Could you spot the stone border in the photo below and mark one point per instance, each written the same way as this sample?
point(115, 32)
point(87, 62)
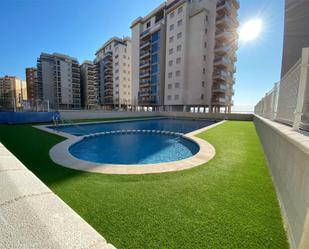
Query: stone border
point(32, 216)
point(60, 154)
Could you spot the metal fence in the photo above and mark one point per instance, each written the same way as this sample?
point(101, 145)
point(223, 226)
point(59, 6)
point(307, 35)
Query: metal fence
point(288, 101)
point(19, 105)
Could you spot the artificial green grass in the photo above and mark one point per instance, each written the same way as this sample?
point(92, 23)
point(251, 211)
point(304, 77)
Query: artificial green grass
point(227, 203)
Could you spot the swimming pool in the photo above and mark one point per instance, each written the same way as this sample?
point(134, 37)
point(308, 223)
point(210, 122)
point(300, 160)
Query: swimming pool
point(137, 148)
point(165, 124)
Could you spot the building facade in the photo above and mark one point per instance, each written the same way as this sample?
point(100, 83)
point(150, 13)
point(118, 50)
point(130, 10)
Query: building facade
point(183, 55)
point(59, 76)
point(13, 91)
point(296, 32)
point(114, 75)
point(89, 85)
point(34, 89)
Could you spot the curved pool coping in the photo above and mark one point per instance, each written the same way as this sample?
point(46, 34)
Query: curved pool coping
point(60, 154)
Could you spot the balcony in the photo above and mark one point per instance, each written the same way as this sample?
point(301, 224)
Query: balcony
point(219, 88)
point(145, 54)
point(144, 94)
point(223, 49)
point(220, 75)
point(144, 64)
point(108, 83)
point(222, 61)
point(225, 21)
point(235, 3)
point(144, 74)
point(225, 35)
point(145, 33)
point(219, 101)
point(145, 44)
point(144, 83)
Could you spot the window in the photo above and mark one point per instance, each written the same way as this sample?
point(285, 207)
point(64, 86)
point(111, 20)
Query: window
point(204, 70)
point(116, 56)
point(202, 96)
point(171, 39)
point(171, 27)
point(180, 9)
point(178, 48)
point(170, 63)
point(176, 97)
point(205, 45)
point(171, 51)
point(179, 35)
point(169, 97)
point(178, 60)
point(179, 23)
point(172, 14)
point(178, 73)
point(206, 31)
point(204, 57)
point(170, 75)
point(169, 86)
point(206, 18)
point(117, 71)
point(117, 78)
point(124, 56)
point(203, 83)
point(148, 25)
point(177, 85)
point(116, 64)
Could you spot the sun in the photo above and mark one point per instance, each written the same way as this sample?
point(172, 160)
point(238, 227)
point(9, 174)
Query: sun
point(251, 30)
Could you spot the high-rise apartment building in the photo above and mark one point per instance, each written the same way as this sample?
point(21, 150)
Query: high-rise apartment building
point(183, 55)
point(13, 91)
point(296, 32)
point(89, 85)
point(34, 89)
point(59, 76)
point(113, 65)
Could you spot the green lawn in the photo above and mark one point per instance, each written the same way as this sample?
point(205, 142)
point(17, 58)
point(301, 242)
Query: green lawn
point(227, 203)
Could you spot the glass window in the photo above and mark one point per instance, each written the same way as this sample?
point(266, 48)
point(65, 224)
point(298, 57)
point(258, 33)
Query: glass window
point(154, 58)
point(170, 63)
point(203, 83)
point(178, 73)
point(171, 27)
point(170, 75)
point(172, 14)
point(177, 85)
point(202, 96)
point(155, 47)
point(178, 60)
point(204, 70)
point(148, 25)
point(180, 9)
point(154, 68)
point(154, 79)
point(169, 97)
point(178, 48)
point(169, 86)
point(176, 97)
point(179, 23)
point(171, 51)
point(155, 36)
point(171, 39)
point(179, 35)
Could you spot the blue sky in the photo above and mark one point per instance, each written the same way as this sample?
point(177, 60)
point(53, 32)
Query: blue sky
point(79, 27)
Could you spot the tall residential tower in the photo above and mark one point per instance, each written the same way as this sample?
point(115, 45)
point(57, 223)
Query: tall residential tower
point(183, 55)
point(59, 76)
point(113, 65)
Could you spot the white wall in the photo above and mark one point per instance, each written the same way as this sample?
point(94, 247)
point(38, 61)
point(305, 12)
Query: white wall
point(287, 153)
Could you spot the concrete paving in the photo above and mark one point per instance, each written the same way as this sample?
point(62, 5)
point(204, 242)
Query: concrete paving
point(32, 216)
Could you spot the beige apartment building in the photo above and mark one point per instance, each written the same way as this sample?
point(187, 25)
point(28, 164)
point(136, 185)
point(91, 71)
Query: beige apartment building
point(183, 55)
point(13, 91)
point(34, 89)
point(59, 76)
point(114, 74)
point(89, 85)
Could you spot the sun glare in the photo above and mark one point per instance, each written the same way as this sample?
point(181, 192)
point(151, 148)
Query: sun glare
point(251, 30)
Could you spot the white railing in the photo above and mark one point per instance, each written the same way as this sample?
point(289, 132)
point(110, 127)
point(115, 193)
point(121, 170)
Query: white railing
point(288, 101)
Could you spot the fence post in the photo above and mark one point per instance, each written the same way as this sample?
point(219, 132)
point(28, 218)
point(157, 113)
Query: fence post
point(303, 82)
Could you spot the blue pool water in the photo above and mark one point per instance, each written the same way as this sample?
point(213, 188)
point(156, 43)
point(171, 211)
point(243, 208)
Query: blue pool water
point(165, 124)
point(134, 149)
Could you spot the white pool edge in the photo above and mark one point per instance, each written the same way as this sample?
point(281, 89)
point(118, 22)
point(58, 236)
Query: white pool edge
point(60, 155)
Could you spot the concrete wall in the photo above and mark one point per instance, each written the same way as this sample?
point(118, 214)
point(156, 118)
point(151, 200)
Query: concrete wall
point(287, 153)
point(215, 116)
point(83, 114)
point(32, 216)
